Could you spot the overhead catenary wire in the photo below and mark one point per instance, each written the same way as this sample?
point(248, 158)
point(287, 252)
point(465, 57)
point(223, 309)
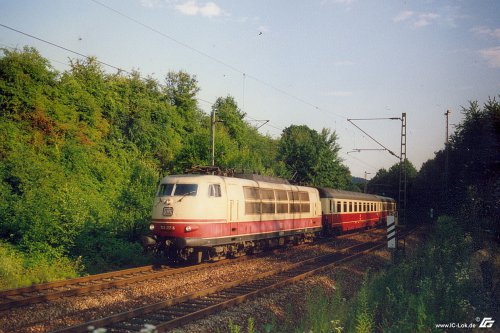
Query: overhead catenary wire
point(100, 62)
point(63, 48)
point(119, 69)
point(221, 62)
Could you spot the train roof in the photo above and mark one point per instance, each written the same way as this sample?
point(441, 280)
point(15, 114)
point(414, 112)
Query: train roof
point(340, 194)
point(258, 180)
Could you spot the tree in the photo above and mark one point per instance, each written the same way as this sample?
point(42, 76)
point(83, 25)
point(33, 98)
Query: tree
point(312, 158)
point(386, 182)
point(180, 91)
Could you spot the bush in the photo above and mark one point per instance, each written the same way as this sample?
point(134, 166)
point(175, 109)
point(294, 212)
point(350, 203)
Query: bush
point(102, 250)
point(18, 269)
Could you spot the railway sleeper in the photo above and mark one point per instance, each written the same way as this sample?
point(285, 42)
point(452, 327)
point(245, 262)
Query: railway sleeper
point(245, 289)
point(192, 306)
point(127, 326)
point(154, 318)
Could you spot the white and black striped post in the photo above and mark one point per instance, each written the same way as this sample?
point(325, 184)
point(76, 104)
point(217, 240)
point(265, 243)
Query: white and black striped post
point(391, 236)
point(391, 232)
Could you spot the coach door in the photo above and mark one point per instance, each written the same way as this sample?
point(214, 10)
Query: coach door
point(232, 207)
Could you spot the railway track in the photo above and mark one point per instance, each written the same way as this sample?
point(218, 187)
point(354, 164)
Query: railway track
point(71, 287)
point(83, 285)
point(182, 310)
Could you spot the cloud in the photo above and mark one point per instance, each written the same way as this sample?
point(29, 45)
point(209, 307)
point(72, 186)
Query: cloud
point(425, 19)
point(403, 16)
point(484, 31)
point(192, 8)
point(152, 3)
point(492, 55)
point(417, 20)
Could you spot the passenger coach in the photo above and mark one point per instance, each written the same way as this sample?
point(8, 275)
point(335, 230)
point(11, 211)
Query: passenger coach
point(344, 210)
point(206, 217)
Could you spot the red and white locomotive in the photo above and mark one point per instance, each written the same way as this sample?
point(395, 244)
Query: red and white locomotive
point(208, 217)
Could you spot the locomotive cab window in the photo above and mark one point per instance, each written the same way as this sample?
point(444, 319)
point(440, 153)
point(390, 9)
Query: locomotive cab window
point(214, 190)
point(185, 189)
point(165, 190)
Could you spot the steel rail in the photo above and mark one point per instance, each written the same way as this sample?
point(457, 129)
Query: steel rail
point(71, 287)
point(78, 286)
point(182, 310)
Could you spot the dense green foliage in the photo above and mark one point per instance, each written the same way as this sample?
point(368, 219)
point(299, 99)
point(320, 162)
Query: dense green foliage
point(312, 158)
point(81, 153)
point(461, 179)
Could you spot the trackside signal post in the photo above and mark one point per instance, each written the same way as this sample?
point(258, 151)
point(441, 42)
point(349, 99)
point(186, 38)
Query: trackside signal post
point(391, 232)
point(402, 162)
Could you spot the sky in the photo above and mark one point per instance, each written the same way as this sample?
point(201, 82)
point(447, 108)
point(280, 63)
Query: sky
point(315, 63)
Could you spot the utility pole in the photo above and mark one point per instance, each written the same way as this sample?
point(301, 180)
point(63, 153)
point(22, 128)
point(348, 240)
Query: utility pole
point(212, 135)
point(402, 173)
point(446, 160)
point(447, 114)
point(366, 182)
point(401, 157)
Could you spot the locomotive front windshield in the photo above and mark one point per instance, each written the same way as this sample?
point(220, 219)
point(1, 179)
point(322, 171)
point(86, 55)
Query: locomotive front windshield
point(168, 190)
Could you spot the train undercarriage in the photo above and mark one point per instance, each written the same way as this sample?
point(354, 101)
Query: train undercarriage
point(173, 253)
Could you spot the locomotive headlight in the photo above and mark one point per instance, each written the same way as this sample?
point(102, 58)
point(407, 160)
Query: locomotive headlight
point(191, 228)
point(151, 227)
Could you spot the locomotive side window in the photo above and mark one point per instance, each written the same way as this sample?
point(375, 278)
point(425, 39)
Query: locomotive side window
point(281, 195)
point(267, 196)
point(293, 196)
point(268, 208)
point(214, 190)
point(252, 200)
point(186, 189)
point(165, 190)
point(282, 201)
point(252, 208)
point(282, 208)
point(251, 193)
point(294, 208)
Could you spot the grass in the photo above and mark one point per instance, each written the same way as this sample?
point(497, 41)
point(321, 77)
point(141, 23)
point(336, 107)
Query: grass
point(437, 284)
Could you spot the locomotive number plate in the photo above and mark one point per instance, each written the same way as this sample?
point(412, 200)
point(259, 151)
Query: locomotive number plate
point(168, 211)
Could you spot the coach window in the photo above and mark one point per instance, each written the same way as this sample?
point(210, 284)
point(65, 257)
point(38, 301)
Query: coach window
point(350, 206)
point(214, 190)
point(339, 207)
point(345, 207)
